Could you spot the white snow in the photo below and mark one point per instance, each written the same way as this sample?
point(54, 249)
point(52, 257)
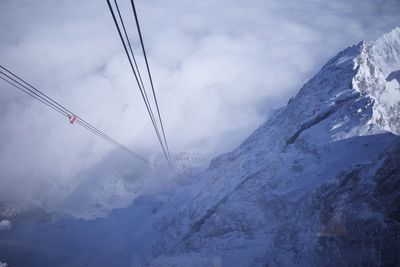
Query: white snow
point(377, 61)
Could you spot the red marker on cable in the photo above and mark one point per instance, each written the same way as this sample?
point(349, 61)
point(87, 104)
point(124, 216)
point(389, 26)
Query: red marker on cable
point(72, 118)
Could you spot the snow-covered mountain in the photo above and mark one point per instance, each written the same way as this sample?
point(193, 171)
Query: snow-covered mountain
point(318, 184)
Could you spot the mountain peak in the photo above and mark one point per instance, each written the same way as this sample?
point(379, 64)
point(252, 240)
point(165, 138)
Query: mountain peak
point(388, 46)
point(356, 93)
point(378, 77)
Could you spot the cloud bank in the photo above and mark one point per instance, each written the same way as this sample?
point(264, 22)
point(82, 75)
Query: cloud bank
point(220, 66)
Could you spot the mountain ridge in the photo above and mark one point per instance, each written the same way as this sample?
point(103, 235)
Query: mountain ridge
point(329, 116)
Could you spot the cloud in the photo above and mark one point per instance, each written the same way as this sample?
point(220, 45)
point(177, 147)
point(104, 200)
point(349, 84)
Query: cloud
point(5, 225)
point(219, 67)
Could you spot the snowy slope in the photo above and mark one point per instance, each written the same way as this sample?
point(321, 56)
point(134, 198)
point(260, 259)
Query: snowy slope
point(318, 184)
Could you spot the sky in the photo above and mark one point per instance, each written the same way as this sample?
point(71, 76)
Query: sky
point(220, 68)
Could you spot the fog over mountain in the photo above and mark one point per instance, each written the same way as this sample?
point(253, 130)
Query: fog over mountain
point(316, 184)
point(220, 69)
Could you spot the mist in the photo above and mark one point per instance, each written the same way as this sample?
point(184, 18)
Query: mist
point(220, 68)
